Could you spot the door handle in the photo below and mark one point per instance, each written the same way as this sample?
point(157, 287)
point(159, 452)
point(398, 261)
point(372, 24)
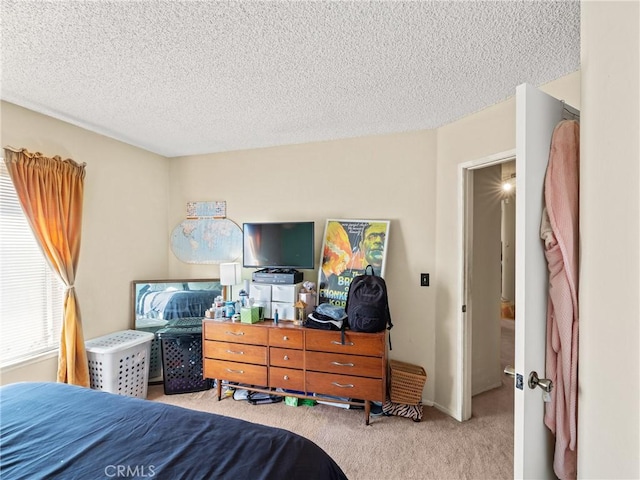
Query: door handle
point(510, 370)
point(544, 383)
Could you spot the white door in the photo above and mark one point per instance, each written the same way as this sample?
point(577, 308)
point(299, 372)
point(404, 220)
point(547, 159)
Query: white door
point(537, 114)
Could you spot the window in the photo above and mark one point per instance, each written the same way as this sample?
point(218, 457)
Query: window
point(31, 294)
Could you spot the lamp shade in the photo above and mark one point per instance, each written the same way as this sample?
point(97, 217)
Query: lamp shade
point(230, 274)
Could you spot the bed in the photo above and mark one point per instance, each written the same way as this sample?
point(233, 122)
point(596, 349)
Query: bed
point(55, 430)
point(168, 300)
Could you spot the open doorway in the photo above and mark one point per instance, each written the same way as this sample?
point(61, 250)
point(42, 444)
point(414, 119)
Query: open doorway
point(489, 282)
point(492, 278)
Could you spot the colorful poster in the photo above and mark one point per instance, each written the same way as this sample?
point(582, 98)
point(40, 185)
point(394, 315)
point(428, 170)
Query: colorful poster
point(348, 246)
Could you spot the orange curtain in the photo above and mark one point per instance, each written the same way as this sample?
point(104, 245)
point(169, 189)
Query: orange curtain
point(51, 192)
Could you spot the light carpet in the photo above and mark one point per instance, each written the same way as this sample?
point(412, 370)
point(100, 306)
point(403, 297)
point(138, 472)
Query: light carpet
point(438, 447)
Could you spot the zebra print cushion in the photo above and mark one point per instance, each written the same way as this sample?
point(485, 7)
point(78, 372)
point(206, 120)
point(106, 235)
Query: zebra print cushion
point(400, 409)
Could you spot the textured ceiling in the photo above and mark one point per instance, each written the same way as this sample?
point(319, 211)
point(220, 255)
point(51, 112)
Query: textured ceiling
point(190, 77)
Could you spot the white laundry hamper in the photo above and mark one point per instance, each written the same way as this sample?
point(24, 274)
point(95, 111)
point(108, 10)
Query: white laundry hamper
point(119, 362)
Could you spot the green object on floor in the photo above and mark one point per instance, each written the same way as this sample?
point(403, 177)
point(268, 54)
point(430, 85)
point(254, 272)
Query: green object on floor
point(298, 402)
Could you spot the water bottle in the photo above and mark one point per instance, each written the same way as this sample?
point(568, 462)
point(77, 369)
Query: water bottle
point(229, 309)
point(244, 298)
point(244, 294)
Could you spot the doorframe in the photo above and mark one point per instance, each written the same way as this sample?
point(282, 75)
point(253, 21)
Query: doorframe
point(465, 257)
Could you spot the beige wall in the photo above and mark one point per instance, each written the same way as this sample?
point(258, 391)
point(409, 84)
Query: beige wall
point(609, 371)
point(124, 221)
point(383, 177)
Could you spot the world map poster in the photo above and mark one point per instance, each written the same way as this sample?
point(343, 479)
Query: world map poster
point(207, 241)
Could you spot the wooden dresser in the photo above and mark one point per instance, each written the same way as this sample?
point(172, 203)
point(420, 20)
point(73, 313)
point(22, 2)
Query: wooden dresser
point(269, 356)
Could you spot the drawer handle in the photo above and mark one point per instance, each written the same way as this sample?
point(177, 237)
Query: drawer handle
point(285, 338)
point(286, 357)
point(234, 371)
point(348, 385)
point(340, 343)
point(237, 334)
point(286, 377)
point(235, 353)
point(343, 364)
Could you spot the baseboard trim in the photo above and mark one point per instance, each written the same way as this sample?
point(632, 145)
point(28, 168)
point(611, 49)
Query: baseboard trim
point(446, 410)
point(486, 389)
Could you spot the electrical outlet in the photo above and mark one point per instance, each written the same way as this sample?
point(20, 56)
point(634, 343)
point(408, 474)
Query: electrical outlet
point(424, 279)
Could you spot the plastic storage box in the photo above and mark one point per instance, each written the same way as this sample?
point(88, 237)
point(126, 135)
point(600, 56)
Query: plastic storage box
point(182, 359)
point(119, 362)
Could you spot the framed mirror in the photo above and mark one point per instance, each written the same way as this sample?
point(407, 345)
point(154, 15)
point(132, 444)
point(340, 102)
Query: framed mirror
point(162, 303)
point(156, 304)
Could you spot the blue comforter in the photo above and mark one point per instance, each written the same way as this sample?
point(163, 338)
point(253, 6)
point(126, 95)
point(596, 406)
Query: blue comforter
point(54, 430)
point(170, 304)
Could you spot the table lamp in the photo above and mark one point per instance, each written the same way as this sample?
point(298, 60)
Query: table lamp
point(230, 275)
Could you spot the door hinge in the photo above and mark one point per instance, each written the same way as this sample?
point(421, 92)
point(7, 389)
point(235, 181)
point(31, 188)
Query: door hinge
point(464, 309)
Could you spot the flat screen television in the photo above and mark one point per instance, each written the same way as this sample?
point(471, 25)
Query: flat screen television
point(278, 245)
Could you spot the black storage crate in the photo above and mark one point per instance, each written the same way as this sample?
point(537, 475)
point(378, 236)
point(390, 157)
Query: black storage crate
point(182, 360)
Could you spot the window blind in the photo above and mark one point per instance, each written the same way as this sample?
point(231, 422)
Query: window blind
point(31, 295)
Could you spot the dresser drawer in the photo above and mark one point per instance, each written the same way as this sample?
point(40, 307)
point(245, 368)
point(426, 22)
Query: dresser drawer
point(284, 357)
point(235, 352)
point(345, 364)
point(235, 332)
point(260, 292)
point(235, 372)
point(346, 386)
point(371, 344)
point(285, 337)
point(286, 311)
point(286, 378)
point(285, 293)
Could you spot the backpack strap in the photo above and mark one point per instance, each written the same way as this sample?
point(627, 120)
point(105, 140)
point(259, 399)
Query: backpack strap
point(390, 326)
point(366, 270)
